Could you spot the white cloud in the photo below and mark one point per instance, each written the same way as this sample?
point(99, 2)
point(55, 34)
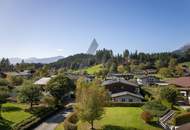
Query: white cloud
point(59, 50)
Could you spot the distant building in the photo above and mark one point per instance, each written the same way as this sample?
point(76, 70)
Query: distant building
point(123, 91)
point(127, 76)
point(43, 81)
point(93, 47)
point(24, 74)
point(147, 80)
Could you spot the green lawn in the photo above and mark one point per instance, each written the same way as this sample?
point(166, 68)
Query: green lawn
point(13, 113)
point(119, 118)
point(93, 69)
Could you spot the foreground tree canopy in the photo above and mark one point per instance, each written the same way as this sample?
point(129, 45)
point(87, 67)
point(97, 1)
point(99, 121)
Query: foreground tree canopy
point(91, 98)
point(29, 93)
point(59, 87)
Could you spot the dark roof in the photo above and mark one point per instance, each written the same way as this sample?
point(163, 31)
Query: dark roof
point(181, 82)
point(108, 82)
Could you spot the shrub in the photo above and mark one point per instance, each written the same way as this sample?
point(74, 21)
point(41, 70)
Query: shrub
point(182, 118)
point(156, 108)
point(146, 116)
point(15, 80)
point(169, 94)
point(70, 122)
point(3, 82)
point(49, 101)
point(124, 104)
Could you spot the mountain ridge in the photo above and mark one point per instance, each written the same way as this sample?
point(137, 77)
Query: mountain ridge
point(15, 60)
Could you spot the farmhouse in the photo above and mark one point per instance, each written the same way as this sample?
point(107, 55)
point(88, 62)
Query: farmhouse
point(183, 85)
point(147, 80)
point(123, 91)
point(127, 76)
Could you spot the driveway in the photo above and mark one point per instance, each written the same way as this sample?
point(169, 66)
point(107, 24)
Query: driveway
point(51, 123)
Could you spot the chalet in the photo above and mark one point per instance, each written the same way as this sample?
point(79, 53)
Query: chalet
point(123, 91)
point(127, 76)
point(147, 80)
point(183, 85)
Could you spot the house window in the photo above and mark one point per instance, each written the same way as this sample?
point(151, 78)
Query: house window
point(130, 100)
point(123, 99)
point(183, 93)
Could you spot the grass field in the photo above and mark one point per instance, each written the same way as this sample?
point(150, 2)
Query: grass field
point(93, 69)
point(13, 113)
point(119, 118)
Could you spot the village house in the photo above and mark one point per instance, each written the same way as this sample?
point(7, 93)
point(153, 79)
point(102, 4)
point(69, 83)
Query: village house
point(183, 85)
point(127, 76)
point(123, 91)
point(24, 74)
point(147, 80)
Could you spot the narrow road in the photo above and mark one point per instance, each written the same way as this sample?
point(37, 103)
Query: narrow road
point(51, 123)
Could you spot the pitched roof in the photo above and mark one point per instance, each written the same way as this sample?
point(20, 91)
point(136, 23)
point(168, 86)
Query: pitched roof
point(126, 93)
point(181, 82)
point(108, 82)
point(43, 81)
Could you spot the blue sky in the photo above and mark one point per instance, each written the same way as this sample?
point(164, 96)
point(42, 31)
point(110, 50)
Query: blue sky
point(44, 28)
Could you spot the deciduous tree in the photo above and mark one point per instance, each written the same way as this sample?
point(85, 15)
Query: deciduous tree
point(91, 98)
point(29, 93)
point(59, 87)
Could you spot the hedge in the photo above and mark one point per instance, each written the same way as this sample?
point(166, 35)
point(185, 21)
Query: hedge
point(70, 122)
point(182, 119)
point(125, 104)
point(34, 120)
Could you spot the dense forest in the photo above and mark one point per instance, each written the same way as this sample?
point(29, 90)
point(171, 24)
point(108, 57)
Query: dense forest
point(129, 61)
point(154, 60)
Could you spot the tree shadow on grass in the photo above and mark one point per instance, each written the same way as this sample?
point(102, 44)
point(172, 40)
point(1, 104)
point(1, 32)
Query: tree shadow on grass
point(154, 123)
point(10, 108)
point(5, 124)
point(112, 127)
point(35, 110)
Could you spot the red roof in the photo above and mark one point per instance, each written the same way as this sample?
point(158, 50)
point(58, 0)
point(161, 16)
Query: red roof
point(181, 82)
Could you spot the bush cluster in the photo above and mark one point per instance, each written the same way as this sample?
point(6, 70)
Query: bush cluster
point(70, 122)
point(156, 108)
point(182, 118)
point(124, 104)
point(147, 116)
